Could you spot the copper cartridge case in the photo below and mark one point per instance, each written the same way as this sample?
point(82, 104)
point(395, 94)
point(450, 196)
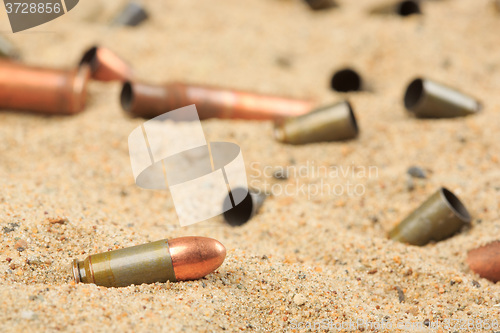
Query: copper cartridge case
point(331, 123)
point(429, 99)
point(48, 91)
point(106, 65)
point(485, 261)
point(438, 218)
point(179, 259)
point(143, 100)
point(246, 209)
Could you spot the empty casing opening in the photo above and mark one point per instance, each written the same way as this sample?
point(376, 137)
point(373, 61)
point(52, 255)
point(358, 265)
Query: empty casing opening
point(346, 80)
point(406, 8)
point(90, 57)
point(414, 94)
point(127, 96)
point(242, 212)
point(353, 118)
point(456, 205)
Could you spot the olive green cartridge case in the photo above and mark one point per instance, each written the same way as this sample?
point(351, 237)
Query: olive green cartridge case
point(179, 259)
point(429, 99)
point(7, 50)
point(438, 218)
point(401, 8)
point(332, 123)
point(246, 209)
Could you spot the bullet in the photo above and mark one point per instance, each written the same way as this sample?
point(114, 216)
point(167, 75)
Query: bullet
point(331, 123)
point(106, 65)
point(345, 80)
point(401, 8)
point(485, 261)
point(144, 100)
point(438, 218)
point(178, 259)
point(47, 91)
point(320, 4)
point(246, 209)
point(429, 99)
point(7, 50)
point(132, 15)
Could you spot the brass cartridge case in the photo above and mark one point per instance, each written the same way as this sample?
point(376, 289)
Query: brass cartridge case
point(47, 91)
point(485, 261)
point(331, 123)
point(438, 218)
point(246, 209)
point(179, 259)
point(429, 99)
point(106, 65)
point(132, 15)
point(144, 100)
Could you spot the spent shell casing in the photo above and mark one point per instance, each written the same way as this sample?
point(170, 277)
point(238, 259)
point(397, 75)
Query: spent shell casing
point(42, 90)
point(105, 65)
point(331, 123)
point(132, 15)
point(320, 4)
point(178, 259)
point(485, 261)
point(246, 209)
point(401, 8)
point(145, 100)
point(428, 99)
point(438, 218)
point(7, 50)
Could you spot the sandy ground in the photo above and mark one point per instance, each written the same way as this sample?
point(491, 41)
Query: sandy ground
point(307, 256)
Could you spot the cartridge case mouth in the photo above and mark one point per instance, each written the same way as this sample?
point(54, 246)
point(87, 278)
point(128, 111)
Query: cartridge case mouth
point(455, 205)
point(242, 212)
point(346, 80)
point(90, 58)
point(414, 94)
point(409, 7)
point(127, 97)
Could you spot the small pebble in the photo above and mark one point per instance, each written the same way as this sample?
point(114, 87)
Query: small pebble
point(280, 174)
point(401, 294)
point(299, 299)
point(21, 245)
point(416, 172)
point(28, 315)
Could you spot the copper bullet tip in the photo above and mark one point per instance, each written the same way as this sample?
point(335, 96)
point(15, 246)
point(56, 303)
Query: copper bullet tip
point(106, 65)
point(195, 257)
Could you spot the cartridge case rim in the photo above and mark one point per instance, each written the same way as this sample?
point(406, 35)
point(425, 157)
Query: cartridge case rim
point(455, 205)
point(76, 271)
point(127, 97)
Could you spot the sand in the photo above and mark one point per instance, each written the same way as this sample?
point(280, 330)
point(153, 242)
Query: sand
point(67, 188)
